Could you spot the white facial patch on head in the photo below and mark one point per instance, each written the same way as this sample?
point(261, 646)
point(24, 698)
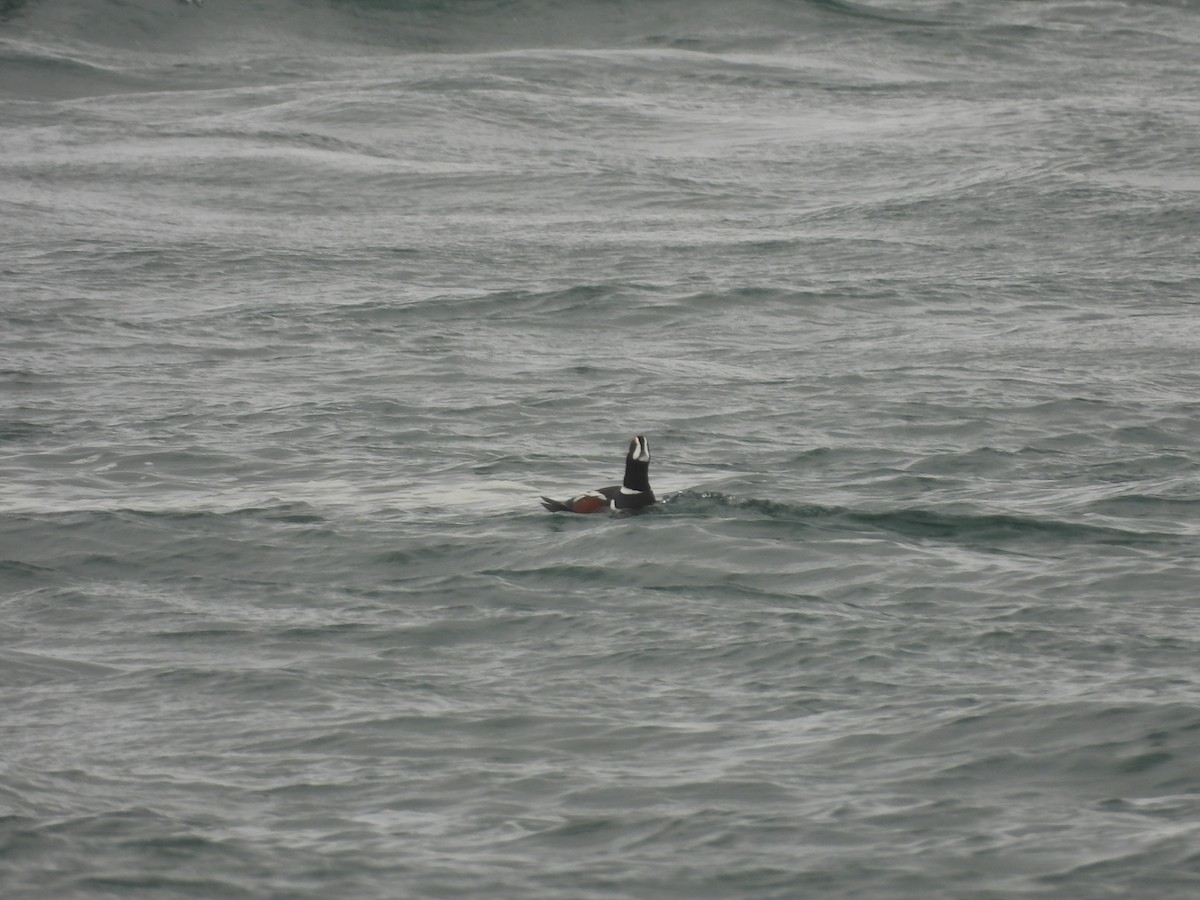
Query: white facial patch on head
point(639, 449)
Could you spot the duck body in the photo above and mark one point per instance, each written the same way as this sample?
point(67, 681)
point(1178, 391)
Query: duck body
point(633, 493)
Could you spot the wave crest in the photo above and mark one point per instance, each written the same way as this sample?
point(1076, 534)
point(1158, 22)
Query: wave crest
point(454, 25)
point(910, 523)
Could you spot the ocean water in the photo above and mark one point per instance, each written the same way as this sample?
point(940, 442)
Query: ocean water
point(303, 304)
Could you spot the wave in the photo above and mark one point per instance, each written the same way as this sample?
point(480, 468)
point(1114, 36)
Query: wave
point(440, 25)
point(33, 71)
point(74, 48)
point(68, 49)
point(272, 27)
point(914, 523)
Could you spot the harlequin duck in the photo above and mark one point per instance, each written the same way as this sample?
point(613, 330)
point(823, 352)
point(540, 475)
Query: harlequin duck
point(633, 493)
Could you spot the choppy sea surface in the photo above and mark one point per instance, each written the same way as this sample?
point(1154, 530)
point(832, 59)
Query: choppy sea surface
point(303, 304)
